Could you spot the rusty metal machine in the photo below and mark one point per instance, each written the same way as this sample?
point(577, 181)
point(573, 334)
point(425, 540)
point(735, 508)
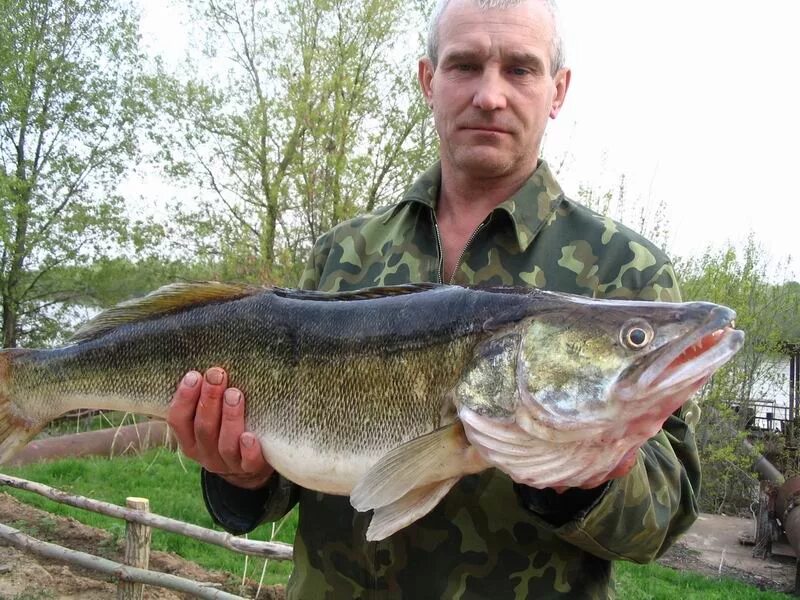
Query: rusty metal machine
point(778, 515)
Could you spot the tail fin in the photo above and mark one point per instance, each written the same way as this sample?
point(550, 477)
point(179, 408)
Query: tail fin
point(16, 429)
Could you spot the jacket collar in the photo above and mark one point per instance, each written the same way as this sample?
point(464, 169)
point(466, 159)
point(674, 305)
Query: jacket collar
point(530, 208)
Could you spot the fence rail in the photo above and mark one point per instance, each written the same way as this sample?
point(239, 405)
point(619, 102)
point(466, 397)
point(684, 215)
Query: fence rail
point(764, 415)
point(127, 573)
point(274, 550)
point(117, 570)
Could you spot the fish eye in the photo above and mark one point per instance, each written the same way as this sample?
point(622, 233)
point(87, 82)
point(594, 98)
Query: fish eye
point(636, 335)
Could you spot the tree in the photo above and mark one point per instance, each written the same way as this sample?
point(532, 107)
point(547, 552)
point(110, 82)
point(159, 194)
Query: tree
point(646, 218)
point(737, 278)
point(68, 110)
point(789, 316)
point(313, 118)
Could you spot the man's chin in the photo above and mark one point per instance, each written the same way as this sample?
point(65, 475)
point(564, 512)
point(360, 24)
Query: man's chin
point(484, 165)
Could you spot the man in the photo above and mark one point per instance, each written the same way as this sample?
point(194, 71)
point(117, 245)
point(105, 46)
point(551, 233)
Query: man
point(490, 213)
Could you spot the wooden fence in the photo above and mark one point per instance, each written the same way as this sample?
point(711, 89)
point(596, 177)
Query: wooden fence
point(131, 577)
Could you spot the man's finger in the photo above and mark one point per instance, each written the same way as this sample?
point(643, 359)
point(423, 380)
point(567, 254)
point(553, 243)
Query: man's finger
point(209, 411)
point(624, 466)
point(180, 415)
point(253, 461)
point(231, 428)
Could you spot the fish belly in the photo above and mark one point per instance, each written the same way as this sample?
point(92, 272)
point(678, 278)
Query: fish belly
point(316, 468)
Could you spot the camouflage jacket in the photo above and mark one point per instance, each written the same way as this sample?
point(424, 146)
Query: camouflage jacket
point(489, 538)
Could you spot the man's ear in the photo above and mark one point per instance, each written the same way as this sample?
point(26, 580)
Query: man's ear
point(561, 80)
point(425, 76)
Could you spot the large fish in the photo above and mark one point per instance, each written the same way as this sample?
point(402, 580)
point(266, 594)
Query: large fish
point(392, 394)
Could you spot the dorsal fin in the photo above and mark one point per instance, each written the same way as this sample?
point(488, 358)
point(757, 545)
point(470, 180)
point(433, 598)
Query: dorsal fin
point(363, 294)
point(167, 299)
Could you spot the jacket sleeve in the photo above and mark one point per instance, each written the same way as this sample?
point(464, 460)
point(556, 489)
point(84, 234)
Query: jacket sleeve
point(239, 510)
point(312, 273)
point(638, 516)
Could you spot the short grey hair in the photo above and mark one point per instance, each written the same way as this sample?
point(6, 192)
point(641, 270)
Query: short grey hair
point(557, 58)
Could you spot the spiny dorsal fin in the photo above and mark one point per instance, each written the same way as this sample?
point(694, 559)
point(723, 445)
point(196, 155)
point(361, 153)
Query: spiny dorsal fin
point(363, 294)
point(167, 299)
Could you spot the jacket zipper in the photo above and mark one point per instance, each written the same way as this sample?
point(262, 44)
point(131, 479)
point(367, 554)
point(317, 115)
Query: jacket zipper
point(440, 268)
point(440, 274)
point(464, 249)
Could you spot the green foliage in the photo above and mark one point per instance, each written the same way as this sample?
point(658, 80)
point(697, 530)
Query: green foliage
point(81, 290)
point(69, 106)
point(108, 281)
point(787, 316)
point(304, 114)
point(729, 483)
point(738, 278)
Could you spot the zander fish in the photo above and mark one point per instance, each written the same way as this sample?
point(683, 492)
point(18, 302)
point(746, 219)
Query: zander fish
point(392, 394)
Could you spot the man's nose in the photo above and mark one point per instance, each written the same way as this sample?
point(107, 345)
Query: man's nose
point(491, 94)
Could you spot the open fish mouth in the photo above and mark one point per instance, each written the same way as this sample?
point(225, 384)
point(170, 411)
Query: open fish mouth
point(686, 362)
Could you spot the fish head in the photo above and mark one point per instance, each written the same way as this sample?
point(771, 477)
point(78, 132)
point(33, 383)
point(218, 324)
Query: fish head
point(592, 381)
point(587, 367)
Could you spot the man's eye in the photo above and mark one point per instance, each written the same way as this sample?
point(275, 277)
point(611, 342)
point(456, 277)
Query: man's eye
point(465, 67)
point(519, 71)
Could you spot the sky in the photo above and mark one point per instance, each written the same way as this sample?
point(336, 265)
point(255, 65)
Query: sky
point(695, 102)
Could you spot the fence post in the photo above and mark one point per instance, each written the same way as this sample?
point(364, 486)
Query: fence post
point(137, 550)
point(762, 545)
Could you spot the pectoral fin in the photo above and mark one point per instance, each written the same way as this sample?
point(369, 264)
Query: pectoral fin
point(441, 454)
point(414, 505)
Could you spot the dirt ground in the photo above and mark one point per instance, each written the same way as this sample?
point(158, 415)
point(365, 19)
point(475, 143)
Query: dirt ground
point(24, 576)
point(711, 547)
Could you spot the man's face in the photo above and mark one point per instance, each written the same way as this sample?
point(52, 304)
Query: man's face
point(492, 91)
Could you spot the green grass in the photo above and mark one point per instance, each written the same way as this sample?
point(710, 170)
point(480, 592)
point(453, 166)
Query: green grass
point(93, 421)
point(173, 489)
point(654, 582)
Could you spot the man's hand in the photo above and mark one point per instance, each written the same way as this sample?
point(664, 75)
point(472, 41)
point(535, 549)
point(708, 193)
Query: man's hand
point(624, 466)
point(208, 420)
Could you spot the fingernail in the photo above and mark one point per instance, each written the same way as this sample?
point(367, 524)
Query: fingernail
point(214, 376)
point(232, 397)
point(247, 440)
point(190, 379)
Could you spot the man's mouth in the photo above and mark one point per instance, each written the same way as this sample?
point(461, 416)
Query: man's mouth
point(485, 129)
